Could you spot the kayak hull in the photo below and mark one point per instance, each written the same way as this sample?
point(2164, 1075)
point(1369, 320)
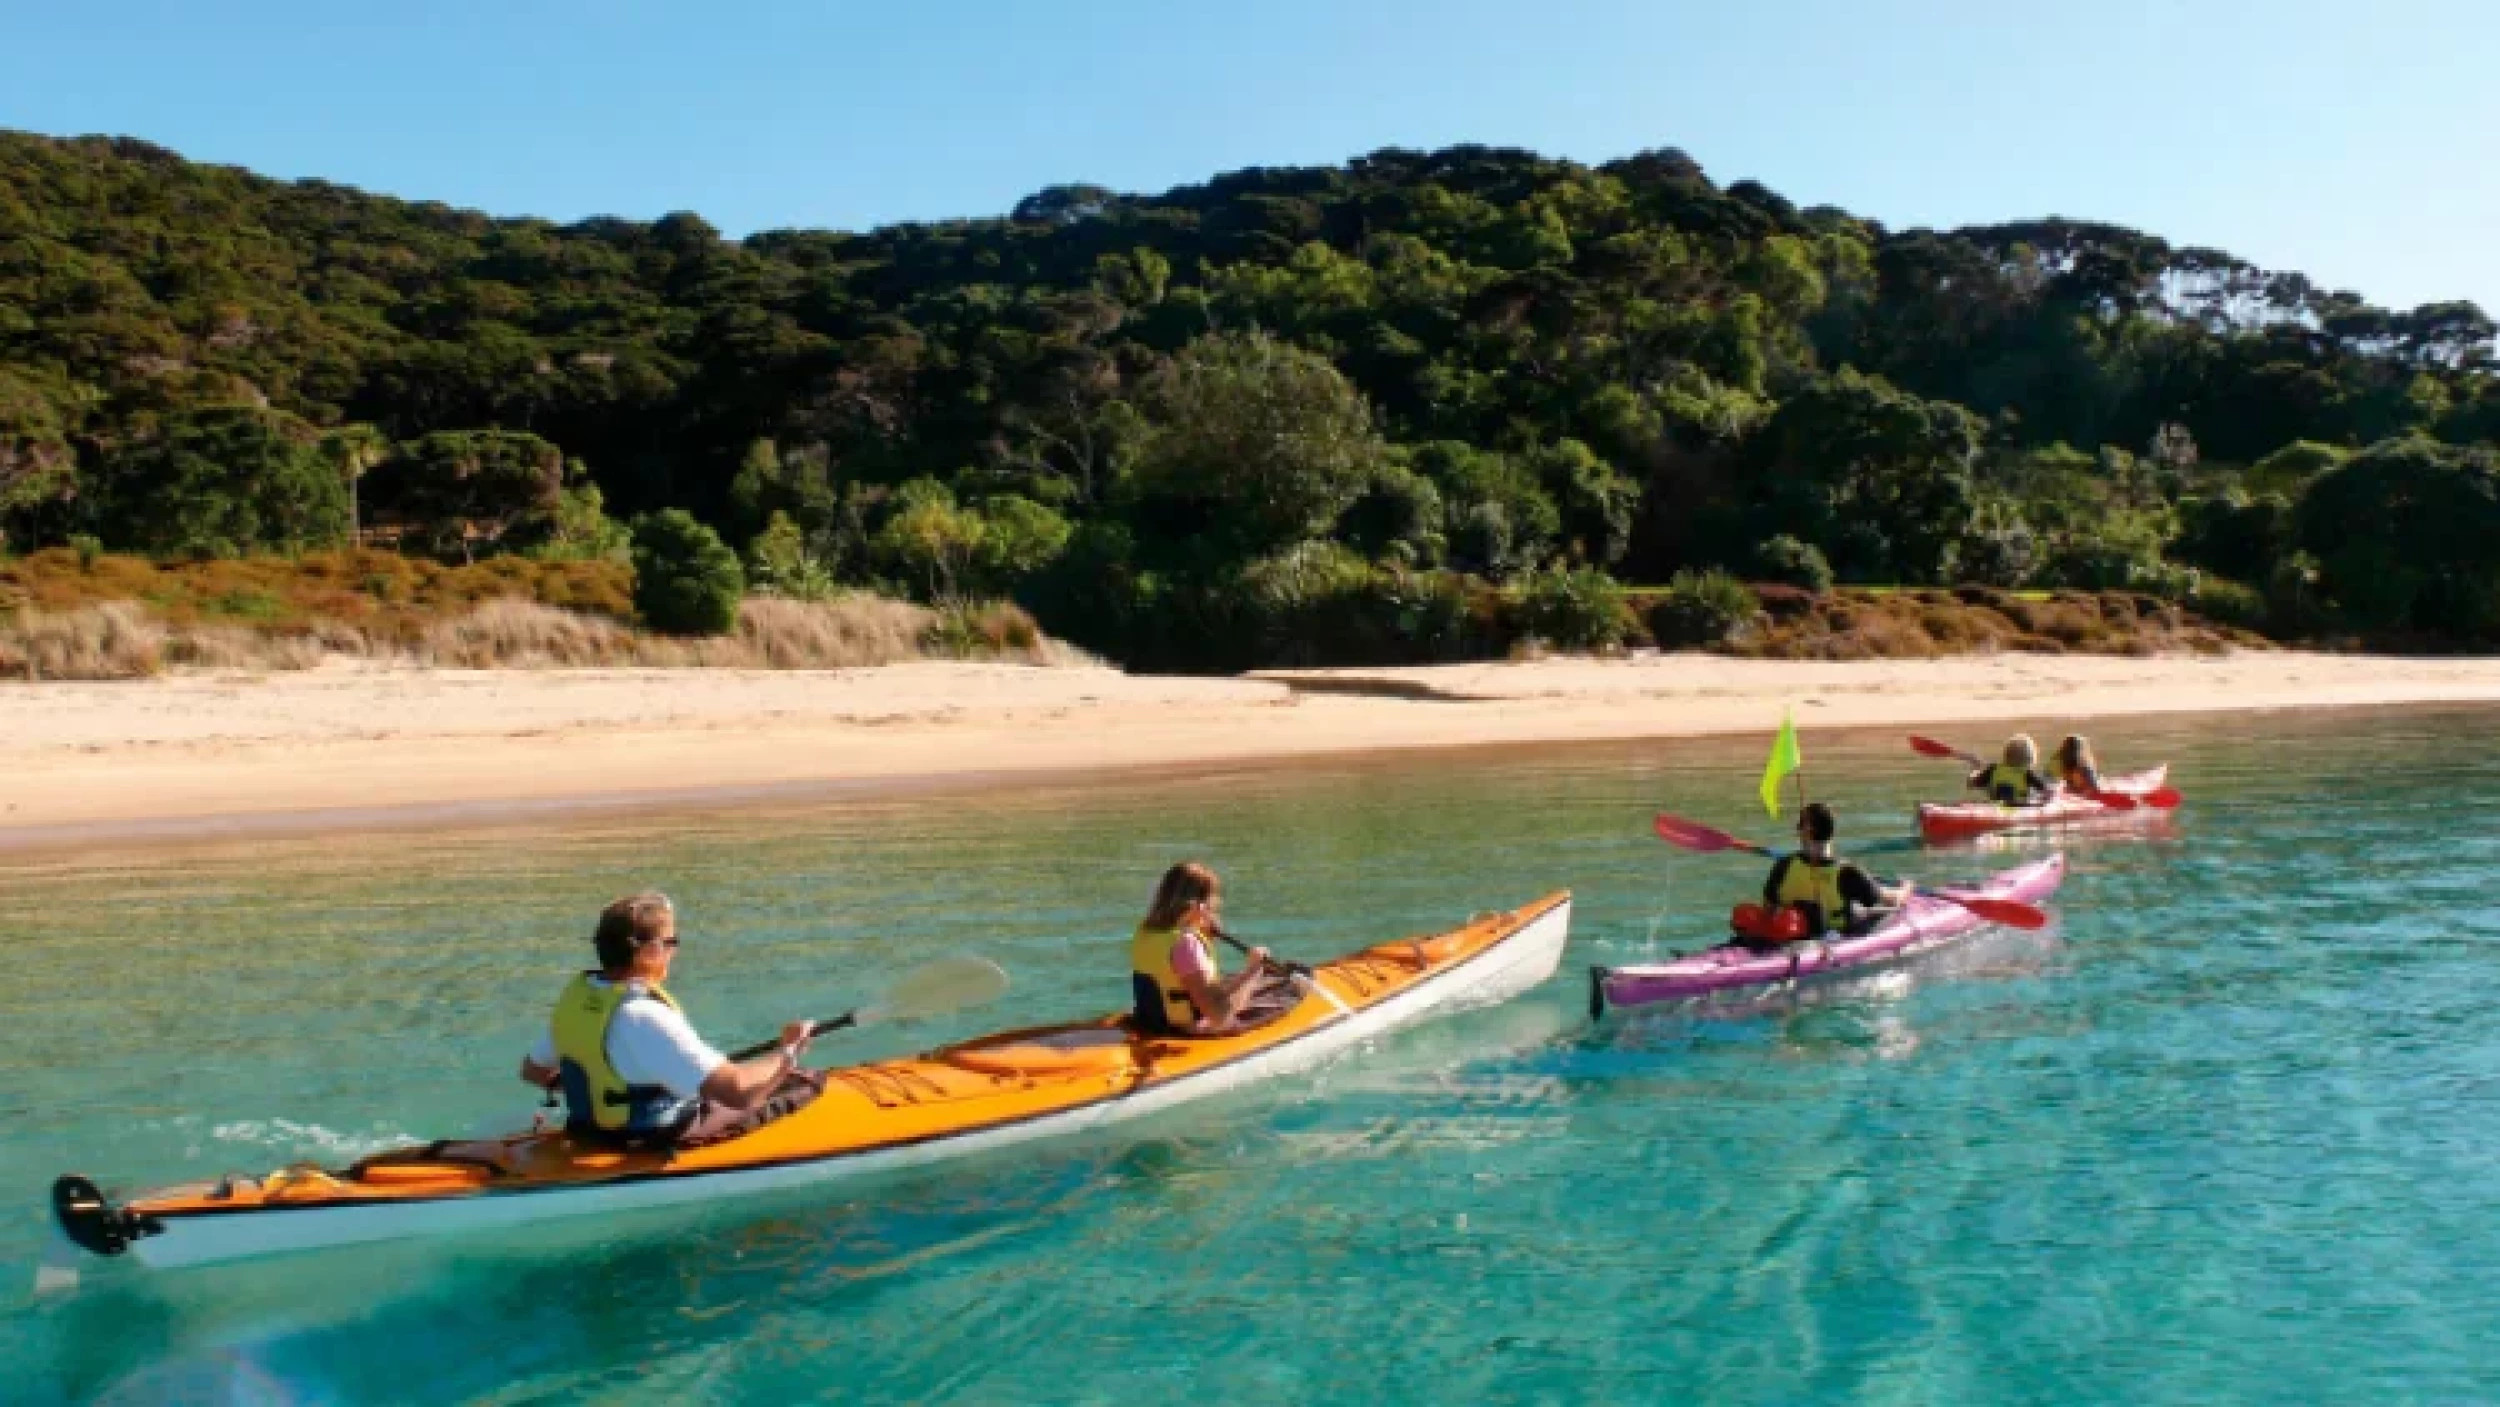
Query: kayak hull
point(1921, 925)
point(874, 1120)
point(1961, 819)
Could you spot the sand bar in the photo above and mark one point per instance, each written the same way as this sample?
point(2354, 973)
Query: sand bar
point(350, 743)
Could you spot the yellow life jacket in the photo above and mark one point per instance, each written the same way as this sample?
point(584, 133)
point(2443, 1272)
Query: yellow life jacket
point(1813, 890)
point(1162, 1003)
point(595, 1096)
point(2009, 784)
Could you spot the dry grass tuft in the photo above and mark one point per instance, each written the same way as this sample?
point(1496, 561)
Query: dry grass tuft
point(848, 633)
point(853, 632)
point(116, 641)
point(511, 634)
point(1857, 624)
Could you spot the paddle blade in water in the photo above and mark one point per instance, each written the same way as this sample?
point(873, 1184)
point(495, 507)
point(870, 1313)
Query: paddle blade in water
point(2013, 913)
point(2116, 800)
point(2162, 798)
point(933, 989)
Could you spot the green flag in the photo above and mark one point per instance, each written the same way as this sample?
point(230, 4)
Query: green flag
point(1785, 758)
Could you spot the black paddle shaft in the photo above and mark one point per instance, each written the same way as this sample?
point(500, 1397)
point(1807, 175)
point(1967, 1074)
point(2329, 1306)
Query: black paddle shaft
point(847, 1018)
point(1298, 969)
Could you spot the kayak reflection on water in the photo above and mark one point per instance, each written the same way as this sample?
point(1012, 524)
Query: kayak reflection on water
point(1811, 893)
point(629, 1065)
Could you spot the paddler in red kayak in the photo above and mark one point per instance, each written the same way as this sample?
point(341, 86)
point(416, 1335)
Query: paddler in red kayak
point(1178, 987)
point(1814, 892)
point(630, 1067)
point(2016, 781)
point(2076, 767)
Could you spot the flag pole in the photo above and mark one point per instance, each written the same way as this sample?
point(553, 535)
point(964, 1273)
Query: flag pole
point(1800, 773)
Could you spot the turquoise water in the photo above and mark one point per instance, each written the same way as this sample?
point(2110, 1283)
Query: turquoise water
point(2225, 1132)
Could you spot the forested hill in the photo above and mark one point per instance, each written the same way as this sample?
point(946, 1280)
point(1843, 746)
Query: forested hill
point(1133, 409)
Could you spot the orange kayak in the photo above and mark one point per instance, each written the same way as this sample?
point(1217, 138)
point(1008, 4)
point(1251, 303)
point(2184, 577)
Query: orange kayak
point(881, 1117)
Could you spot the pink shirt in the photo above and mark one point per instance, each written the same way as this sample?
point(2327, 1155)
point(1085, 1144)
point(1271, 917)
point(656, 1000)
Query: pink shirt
point(1190, 957)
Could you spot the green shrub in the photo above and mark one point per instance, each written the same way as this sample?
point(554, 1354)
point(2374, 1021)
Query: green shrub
point(686, 580)
point(2293, 603)
point(2228, 602)
point(1581, 609)
point(1701, 608)
point(1792, 561)
point(778, 561)
point(1427, 613)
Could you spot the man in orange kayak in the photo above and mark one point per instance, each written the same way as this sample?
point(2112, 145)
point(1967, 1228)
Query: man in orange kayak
point(1824, 892)
point(630, 1066)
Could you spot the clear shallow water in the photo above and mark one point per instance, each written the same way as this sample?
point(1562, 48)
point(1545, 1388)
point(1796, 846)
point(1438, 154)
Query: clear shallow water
point(2226, 1132)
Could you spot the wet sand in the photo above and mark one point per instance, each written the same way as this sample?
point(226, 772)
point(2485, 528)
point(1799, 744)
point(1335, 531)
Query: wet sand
point(355, 745)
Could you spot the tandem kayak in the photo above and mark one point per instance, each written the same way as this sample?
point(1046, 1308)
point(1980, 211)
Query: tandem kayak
point(880, 1117)
point(1923, 923)
point(1948, 820)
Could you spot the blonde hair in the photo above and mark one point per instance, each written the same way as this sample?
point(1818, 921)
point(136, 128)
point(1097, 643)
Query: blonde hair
point(1183, 885)
point(2021, 751)
point(2075, 754)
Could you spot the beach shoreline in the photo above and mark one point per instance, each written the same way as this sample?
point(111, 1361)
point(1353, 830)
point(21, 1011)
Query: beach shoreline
point(357, 747)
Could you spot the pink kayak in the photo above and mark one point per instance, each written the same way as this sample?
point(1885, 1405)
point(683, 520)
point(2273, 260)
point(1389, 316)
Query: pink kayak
point(1945, 821)
point(1923, 923)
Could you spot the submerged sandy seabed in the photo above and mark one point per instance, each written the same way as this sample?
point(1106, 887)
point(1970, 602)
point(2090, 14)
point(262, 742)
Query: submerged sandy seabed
point(348, 742)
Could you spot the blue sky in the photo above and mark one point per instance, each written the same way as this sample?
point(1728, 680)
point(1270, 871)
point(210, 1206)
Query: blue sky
point(2351, 140)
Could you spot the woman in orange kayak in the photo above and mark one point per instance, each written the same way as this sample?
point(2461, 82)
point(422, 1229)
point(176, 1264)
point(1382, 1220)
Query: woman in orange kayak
point(2016, 781)
point(1814, 892)
point(1178, 986)
point(2077, 769)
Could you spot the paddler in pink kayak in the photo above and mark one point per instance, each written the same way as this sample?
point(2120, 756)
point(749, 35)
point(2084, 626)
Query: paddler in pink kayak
point(1814, 892)
point(2016, 781)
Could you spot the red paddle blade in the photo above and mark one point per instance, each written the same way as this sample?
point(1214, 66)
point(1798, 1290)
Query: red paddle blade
point(1692, 835)
point(1929, 747)
point(2013, 913)
point(2162, 798)
point(2117, 800)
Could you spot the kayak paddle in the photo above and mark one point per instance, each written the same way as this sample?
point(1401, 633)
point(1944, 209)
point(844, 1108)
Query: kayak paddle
point(931, 989)
point(1929, 747)
point(1692, 835)
point(1299, 973)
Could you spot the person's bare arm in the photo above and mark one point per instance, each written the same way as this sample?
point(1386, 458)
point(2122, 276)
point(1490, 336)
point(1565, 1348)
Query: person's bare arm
point(742, 1085)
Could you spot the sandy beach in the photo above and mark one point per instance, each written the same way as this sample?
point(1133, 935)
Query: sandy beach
point(348, 744)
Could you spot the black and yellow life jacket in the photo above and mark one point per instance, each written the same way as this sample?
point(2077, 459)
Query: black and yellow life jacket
point(2009, 785)
point(597, 1098)
point(1162, 1003)
point(1813, 890)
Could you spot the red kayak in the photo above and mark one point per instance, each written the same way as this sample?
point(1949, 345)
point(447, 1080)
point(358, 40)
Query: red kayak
point(1948, 821)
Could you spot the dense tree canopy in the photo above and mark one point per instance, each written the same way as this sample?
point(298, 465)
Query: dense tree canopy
point(1473, 360)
